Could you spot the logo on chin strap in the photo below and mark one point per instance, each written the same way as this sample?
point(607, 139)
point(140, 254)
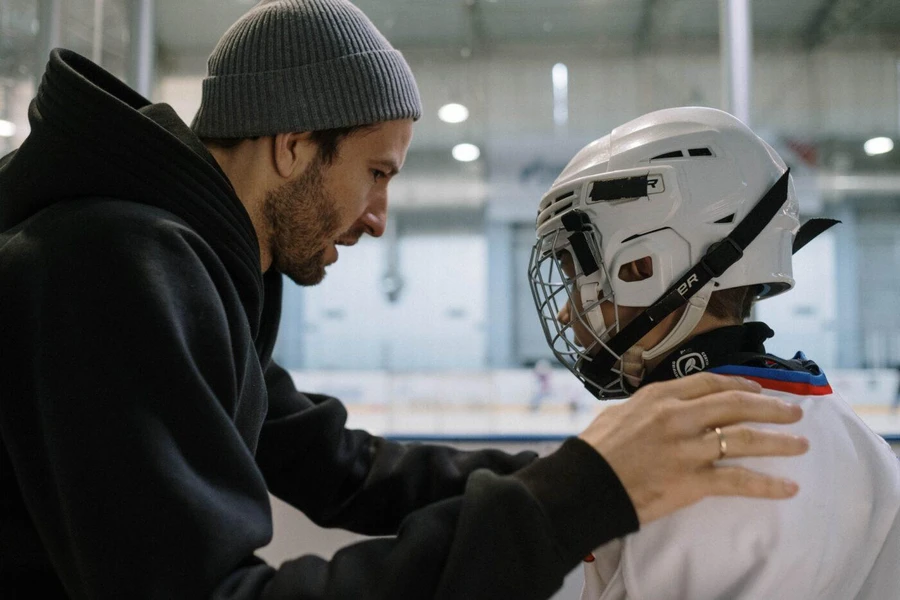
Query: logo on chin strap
point(690, 363)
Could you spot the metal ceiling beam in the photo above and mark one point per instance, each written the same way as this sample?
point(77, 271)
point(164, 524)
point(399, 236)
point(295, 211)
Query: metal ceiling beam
point(476, 37)
point(835, 17)
point(645, 27)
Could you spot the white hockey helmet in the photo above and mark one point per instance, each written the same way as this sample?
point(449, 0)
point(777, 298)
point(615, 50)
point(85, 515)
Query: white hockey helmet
point(673, 185)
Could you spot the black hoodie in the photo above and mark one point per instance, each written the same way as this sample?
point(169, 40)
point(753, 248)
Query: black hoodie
point(143, 421)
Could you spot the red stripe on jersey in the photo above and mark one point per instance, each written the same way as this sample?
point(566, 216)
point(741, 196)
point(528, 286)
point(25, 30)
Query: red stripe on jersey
point(799, 389)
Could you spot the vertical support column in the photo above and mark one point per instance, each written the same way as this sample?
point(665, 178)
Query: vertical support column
point(49, 14)
point(898, 96)
point(97, 43)
point(500, 310)
point(289, 348)
point(849, 329)
point(392, 284)
point(7, 127)
point(143, 46)
point(736, 52)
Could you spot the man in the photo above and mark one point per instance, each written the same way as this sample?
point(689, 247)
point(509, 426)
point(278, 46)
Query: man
point(143, 420)
point(652, 245)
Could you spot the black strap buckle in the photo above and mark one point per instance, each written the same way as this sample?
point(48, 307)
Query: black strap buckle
point(579, 223)
point(576, 220)
point(720, 256)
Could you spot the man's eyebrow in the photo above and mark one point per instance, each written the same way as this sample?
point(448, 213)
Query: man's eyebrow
point(388, 166)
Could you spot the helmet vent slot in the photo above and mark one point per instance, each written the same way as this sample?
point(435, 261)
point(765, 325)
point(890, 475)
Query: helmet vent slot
point(562, 202)
point(728, 219)
point(563, 207)
point(556, 206)
point(691, 152)
point(673, 154)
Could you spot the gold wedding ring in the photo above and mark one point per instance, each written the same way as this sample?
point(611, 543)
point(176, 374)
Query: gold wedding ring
point(723, 445)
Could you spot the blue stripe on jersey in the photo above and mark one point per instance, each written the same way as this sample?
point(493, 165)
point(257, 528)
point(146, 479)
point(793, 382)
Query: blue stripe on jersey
point(774, 374)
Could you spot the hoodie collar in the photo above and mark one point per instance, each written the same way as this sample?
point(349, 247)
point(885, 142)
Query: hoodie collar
point(93, 136)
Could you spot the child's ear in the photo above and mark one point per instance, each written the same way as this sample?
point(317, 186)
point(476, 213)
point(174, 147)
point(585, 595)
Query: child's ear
point(637, 270)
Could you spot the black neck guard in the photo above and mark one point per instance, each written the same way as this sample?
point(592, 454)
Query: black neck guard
point(735, 345)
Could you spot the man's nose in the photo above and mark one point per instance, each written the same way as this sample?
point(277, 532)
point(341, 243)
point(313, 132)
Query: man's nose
point(374, 220)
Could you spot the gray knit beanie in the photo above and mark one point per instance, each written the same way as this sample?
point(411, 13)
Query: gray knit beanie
point(303, 65)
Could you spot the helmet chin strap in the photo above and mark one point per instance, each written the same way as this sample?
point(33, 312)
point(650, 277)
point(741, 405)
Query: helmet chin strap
point(590, 292)
point(632, 367)
point(633, 363)
point(696, 307)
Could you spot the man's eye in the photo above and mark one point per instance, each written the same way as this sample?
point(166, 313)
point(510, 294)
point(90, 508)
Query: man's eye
point(376, 174)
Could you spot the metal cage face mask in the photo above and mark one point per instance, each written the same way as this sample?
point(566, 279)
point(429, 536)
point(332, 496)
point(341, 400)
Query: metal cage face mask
point(693, 189)
point(568, 295)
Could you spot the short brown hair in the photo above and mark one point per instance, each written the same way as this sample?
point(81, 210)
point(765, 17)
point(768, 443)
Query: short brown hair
point(328, 140)
point(733, 304)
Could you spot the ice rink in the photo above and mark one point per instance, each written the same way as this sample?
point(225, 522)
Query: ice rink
point(514, 404)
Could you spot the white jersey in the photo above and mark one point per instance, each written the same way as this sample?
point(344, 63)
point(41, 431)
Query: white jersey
point(839, 538)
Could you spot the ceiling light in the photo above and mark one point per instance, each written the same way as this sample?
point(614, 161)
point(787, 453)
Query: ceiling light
point(7, 128)
point(466, 152)
point(453, 113)
point(878, 145)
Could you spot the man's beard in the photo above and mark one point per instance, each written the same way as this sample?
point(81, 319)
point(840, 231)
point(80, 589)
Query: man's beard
point(302, 219)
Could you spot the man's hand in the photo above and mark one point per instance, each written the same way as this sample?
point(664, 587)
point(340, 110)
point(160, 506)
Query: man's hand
point(663, 445)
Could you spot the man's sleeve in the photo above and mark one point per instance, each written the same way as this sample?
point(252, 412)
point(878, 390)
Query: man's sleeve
point(363, 483)
point(143, 487)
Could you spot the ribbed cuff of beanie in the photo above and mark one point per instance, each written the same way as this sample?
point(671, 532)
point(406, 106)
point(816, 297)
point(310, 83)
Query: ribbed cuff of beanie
point(358, 89)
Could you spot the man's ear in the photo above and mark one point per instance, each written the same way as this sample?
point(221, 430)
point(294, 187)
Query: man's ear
point(292, 153)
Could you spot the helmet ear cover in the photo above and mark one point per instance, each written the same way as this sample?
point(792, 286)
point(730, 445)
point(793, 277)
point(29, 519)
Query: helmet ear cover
point(669, 253)
point(717, 259)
